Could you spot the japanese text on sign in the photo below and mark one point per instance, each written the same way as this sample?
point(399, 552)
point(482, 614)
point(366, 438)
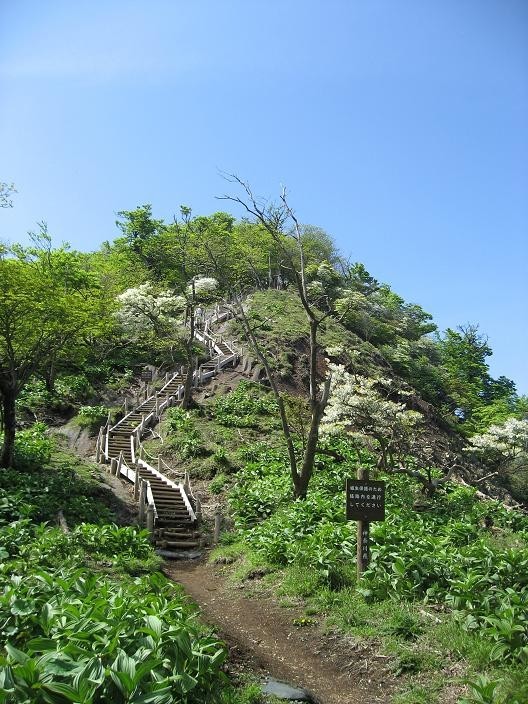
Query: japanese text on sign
point(365, 500)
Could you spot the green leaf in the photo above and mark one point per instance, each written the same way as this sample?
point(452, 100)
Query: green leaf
point(155, 625)
point(65, 690)
point(17, 655)
point(160, 696)
point(41, 645)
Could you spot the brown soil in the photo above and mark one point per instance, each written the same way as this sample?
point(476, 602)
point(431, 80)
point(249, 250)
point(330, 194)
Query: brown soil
point(335, 670)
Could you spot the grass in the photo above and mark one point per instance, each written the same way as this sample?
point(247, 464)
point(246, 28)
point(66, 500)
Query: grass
point(426, 649)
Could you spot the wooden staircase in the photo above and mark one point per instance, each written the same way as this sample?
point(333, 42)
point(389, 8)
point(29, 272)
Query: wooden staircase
point(175, 525)
point(169, 509)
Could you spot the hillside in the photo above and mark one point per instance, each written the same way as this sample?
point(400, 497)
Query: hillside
point(244, 369)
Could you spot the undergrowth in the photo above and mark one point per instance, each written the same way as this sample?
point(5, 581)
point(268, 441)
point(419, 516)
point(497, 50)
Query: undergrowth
point(85, 616)
point(447, 585)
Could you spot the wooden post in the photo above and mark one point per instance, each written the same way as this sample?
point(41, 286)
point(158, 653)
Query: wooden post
point(159, 463)
point(363, 528)
point(217, 526)
point(150, 518)
point(142, 498)
point(198, 509)
point(98, 446)
point(157, 406)
point(136, 483)
point(113, 466)
point(120, 462)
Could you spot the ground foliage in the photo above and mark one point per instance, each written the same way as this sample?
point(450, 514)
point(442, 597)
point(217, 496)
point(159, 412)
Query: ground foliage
point(84, 615)
point(453, 552)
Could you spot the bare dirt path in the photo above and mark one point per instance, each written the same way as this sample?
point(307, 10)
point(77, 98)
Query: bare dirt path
point(334, 671)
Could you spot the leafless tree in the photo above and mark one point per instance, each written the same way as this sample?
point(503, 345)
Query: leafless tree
point(280, 221)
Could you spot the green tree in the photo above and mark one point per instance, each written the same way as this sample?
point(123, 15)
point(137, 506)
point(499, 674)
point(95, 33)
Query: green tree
point(143, 236)
point(46, 301)
point(464, 353)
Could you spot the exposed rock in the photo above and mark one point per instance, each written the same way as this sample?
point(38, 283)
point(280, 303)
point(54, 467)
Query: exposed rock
point(281, 690)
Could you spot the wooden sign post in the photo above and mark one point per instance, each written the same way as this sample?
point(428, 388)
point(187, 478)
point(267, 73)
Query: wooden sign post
point(365, 502)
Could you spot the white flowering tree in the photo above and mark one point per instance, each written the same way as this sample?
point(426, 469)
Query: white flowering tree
point(166, 314)
point(362, 408)
point(143, 308)
point(502, 445)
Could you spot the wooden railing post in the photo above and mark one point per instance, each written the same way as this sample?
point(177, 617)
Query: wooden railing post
point(98, 446)
point(113, 466)
point(136, 483)
point(150, 518)
point(120, 462)
point(126, 405)
point(142, 498)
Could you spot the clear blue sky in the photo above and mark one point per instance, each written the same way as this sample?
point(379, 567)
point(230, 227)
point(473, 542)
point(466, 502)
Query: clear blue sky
point(399, 126)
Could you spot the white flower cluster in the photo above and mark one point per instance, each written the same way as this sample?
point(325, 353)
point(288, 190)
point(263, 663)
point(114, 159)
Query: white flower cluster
point(358, 406)
point(508, 439)
point(203, 286)
point(142, 308)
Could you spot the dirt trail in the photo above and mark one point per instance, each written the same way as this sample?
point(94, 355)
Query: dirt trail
point(332, 670)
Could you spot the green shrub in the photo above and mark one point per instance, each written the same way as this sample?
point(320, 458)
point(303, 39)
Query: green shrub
point(91, 417)
point(76, 636)
point(218, 484)
point(40, 493)
point(73, 387)
point(186, 438)
point(242, 407)
point(33, 447)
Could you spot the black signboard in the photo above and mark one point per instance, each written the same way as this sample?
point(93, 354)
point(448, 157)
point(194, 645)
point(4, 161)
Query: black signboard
point(365, 500)
point(146, 375)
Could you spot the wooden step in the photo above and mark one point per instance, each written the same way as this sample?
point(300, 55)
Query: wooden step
point(172, 533)
point(177, 543)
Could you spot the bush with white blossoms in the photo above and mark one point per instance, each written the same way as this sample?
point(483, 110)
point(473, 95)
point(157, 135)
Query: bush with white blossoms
point(143, 308)
point(505, 441)
point(204, 288)
point(360, 407)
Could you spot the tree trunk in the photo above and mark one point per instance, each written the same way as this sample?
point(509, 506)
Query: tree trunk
point(9, 417)
point(49, 377)
point(187, 387)
point(301, 485)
